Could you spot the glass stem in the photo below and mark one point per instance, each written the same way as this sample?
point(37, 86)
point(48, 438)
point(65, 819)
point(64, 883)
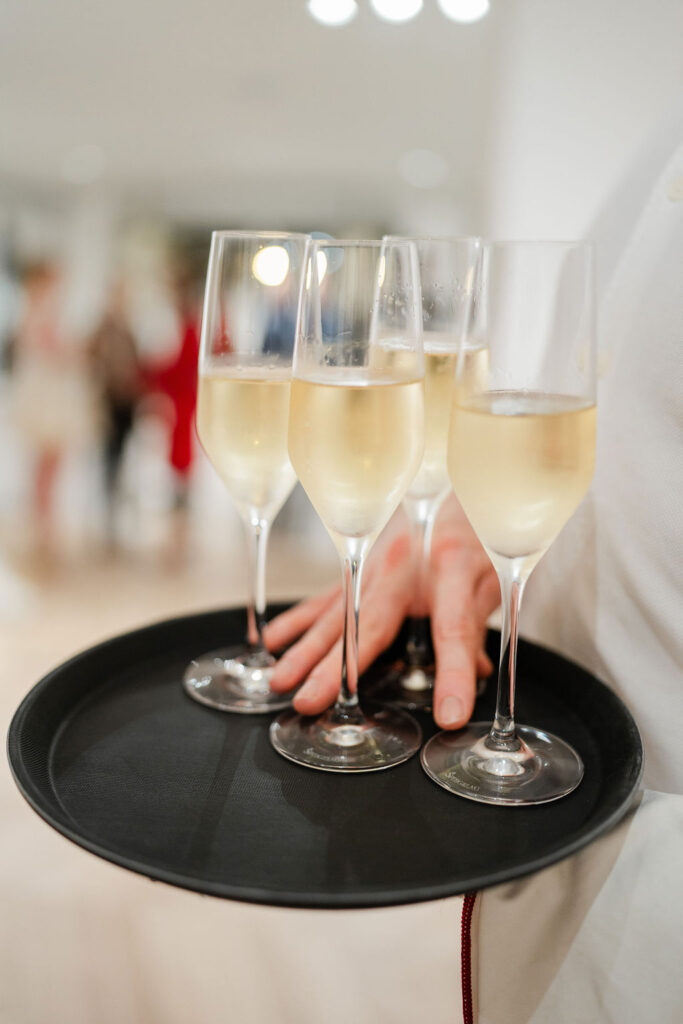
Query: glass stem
point(346, 709)
point(257, 535)
point(503, 736)
point(421, 515)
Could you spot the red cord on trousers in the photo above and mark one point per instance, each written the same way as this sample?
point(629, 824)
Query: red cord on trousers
point(466, 957)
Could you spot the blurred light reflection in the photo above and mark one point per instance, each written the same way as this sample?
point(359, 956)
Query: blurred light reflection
point(396, 10)
point(271, 265)
point(333, 12)
point(464, 11)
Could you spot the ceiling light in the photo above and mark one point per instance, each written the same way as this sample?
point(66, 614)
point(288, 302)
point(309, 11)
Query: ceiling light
point(396, 10)
point(465, 11)
point(333, 12)
point(270, 265)
point(423, 168)
point(83, 164)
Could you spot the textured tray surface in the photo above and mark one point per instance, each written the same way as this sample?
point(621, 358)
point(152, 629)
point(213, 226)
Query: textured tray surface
point(110, 751)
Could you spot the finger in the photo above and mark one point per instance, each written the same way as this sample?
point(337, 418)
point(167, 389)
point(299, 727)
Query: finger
point(457, 633)
point(321, 689)
point(487, 594)
point(289, 625)
point(297, 662)
point(286, 627)
point(382, 612)
point(484, 665)
point(487, 600)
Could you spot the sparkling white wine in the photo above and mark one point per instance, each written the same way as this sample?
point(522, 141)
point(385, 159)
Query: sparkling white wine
point(520, 463)
point(355, 446)
point(441, 359)
point(242, 425)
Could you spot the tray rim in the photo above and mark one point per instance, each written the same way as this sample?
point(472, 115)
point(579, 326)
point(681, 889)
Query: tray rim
point(292, 899)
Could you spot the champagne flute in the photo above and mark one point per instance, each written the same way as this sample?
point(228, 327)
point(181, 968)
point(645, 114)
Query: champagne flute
point(252, 290)
point(356, 442)
point(521, 453)
point(447, 274)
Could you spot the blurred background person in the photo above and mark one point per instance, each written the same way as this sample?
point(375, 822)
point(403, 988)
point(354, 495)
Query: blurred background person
point(53, 402)
point(176, 379)
point(115, 364)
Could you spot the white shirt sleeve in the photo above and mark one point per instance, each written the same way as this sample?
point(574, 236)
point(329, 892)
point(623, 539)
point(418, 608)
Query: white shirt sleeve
point(598, 937)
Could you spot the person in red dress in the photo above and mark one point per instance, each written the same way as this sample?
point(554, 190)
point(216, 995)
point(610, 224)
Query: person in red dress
point(177, 380)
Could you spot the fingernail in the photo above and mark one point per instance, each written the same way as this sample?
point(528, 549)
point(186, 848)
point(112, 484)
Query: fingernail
point(451, 711)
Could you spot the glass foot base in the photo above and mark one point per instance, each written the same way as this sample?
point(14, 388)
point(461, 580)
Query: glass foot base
point(234, 680)
point(544, 768)
point(408, 686)
point(379, 738)
point(411, 687)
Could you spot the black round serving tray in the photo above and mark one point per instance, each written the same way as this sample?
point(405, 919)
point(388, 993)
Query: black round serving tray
point(111, 752)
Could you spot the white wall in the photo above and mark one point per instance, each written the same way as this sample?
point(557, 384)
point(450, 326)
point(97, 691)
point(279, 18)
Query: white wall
point(582, 85)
